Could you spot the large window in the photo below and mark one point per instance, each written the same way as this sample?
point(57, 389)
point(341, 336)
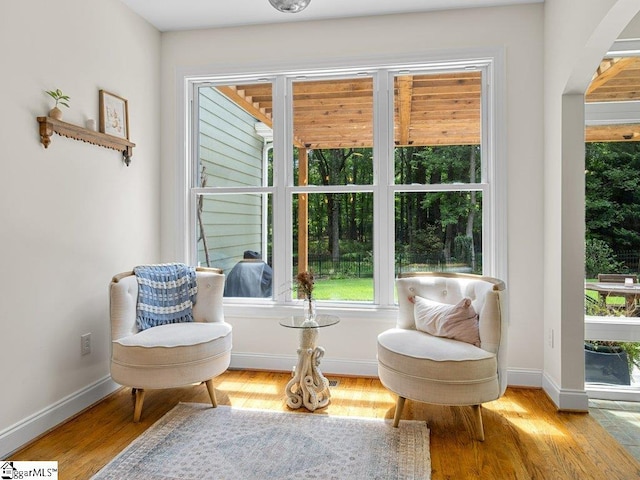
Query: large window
point(438, 171)
point(356, 176)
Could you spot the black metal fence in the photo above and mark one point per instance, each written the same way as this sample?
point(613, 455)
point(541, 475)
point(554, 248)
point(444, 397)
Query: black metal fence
point(630, 259)
point(351, 266)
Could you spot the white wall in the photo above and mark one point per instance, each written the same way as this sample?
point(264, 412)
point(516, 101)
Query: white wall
point(72, 215)
point(577, 36)
point(631, 31)
point(517, 31)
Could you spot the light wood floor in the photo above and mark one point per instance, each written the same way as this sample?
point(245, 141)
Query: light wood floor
point(526, 438)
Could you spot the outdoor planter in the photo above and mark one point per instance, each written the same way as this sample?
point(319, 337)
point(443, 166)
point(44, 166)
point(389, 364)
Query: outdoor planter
point(606, 364)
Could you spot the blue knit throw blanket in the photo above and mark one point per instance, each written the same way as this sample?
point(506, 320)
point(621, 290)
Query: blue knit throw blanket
point(166, 294)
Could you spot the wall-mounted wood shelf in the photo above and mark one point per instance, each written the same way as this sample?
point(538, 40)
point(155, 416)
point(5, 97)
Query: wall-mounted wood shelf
point(49, 126)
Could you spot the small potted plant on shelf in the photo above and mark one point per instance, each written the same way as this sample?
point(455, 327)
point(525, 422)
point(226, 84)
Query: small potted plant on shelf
point(61, 99)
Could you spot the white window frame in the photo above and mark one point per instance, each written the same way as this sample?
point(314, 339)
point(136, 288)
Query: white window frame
point(493, 184)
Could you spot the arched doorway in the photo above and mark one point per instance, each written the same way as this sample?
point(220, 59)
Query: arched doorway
point(564, 184)
point(612, 113)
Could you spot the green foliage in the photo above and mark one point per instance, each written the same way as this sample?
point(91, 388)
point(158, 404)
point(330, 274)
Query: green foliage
point(354, 249)
point(427, 224)
point(427, 241)
point(59, 97)
point(599, 258)
point(633, 351)
point(612, 194)
point(338, 217)
point(446, 164)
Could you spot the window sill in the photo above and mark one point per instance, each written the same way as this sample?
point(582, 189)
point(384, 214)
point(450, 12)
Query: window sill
point(259, 308)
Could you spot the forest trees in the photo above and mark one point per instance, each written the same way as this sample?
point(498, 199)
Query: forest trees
point(444, 226)
point(349, 216)
point(612, 203)
point(436, 226)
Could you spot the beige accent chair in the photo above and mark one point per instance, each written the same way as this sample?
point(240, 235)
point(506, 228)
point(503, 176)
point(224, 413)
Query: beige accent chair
point(443, 371)
point(173, 355)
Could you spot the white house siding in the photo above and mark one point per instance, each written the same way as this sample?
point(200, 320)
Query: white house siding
point(231, 152)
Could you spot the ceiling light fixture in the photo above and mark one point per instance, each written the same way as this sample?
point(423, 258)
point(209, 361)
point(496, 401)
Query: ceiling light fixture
point(290, 6)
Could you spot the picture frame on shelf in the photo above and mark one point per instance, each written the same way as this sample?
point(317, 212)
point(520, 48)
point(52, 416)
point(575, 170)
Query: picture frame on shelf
point(114, 115)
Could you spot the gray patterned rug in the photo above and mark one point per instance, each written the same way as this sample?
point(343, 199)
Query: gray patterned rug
point(195, 441)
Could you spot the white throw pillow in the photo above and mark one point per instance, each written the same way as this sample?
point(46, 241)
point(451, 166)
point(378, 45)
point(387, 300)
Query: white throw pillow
point(459, 322)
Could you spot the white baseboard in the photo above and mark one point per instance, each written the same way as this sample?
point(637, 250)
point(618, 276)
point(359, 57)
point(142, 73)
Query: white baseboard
point(285, 363)
point(520, 377)
point(365, 368)
point(21, 433)
point(565, 399)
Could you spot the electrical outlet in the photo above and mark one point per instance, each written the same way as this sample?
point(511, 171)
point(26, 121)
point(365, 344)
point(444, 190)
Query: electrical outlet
point(85, 344)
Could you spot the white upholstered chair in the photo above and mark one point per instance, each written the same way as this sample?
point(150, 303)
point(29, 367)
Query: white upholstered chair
point(172, 355)
point(443, 371)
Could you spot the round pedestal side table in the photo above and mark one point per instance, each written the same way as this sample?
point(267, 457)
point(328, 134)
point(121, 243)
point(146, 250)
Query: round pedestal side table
point(308, 387)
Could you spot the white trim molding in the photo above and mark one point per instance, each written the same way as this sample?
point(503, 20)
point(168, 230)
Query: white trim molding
point(521, 377)
point(19, 434)
point(285, 363)
point(565, 399)
point(360, 367)
point(612, 113)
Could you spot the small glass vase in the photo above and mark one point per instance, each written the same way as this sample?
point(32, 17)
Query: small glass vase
point(309, 309)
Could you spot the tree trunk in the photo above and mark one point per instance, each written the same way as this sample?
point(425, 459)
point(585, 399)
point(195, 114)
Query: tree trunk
point(334, 212)
point(448, 241)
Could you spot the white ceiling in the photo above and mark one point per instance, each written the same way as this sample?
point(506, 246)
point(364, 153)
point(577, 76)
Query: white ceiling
point(168, 15)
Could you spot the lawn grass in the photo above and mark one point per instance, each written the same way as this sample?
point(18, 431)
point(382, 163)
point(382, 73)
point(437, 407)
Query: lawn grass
point(344, 289)
point(611, 300)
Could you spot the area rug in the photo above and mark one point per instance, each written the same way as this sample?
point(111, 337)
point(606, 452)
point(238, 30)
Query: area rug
point(195, 441)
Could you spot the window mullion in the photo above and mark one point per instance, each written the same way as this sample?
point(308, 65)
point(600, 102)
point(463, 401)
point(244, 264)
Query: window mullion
point(282, 253)
point(191, 251)
point(383, 221)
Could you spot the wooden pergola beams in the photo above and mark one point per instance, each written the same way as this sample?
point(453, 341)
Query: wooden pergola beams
point(239, 97)
point(429, 109)
point(613, 133)
point(616, 79)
